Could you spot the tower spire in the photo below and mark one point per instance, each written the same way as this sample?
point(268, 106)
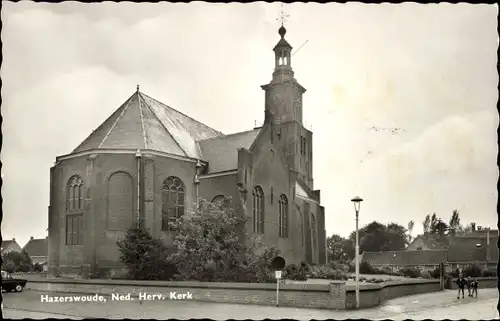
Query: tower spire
point(282, 52)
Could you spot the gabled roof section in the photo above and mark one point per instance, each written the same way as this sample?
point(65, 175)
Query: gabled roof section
point(402, 258)
point(36, 247)
point(145, 123)
point(6, 244)
point(221, 153)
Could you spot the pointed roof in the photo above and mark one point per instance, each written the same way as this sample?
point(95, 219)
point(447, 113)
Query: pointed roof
point(145, 123)
point(221, 153)
point(36, 247)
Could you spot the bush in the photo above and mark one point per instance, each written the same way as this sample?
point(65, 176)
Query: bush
point(472, 271)
point(436, 273)
point(37, 267)
point(9, 266)
point(411, 272)
point(427, 275)
point(366, 268)
point(325, 272)
point(352, 268)
point(453, 274)
point(295, 272)
point(489, 273)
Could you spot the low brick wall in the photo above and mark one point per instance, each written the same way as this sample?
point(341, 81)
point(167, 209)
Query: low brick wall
point(374, 294)
point(326, 296)
point(484, 283)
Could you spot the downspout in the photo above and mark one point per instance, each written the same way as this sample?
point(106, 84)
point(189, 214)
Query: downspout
point(138, 214)
point(197, 183)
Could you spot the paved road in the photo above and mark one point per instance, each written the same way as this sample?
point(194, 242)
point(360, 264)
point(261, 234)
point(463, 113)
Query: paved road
point(441, 305)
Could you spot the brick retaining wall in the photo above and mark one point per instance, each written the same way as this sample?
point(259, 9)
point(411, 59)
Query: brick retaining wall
point(336, 295)
point(326, 296)
point(374, 294)
point(484, 283)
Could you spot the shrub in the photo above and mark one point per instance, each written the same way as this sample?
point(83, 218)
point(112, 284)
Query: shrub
point(325, 272)
point(453, 274)
point(427, 275)
point(295, 272)
point(489, 273)
point(436, 273)
point(366, 268)
point(146, 258)
point(352, 268)
point(472, 270)
point(411, 272)
point(37, 267)
point(9, 266)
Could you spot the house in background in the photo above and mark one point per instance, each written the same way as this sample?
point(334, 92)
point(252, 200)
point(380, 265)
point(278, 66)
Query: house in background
point(396, 260)
point(455, 249)
point(37, 250)
point(8, 246)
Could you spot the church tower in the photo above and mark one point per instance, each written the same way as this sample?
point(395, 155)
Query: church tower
point(283, 111)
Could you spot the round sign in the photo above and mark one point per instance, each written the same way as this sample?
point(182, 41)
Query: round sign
point(278, 263)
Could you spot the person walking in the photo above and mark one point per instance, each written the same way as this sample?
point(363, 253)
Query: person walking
point(461, 282)
point(475, 285)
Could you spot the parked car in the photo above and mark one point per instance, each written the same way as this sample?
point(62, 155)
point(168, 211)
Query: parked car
point(12, 284)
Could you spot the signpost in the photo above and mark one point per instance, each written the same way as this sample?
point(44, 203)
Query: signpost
point(278, 264)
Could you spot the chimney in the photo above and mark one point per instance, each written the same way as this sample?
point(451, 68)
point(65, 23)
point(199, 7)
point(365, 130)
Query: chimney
point(473, 226)
point(32, 238)
point(13, 239)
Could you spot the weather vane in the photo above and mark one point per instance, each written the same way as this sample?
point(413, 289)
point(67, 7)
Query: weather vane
point(283, 16)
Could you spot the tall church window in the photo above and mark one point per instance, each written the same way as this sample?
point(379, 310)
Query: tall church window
point(173, 195)
point(258, 210)
point(74, 211)
point(221, 201)
point(301, 222)
point(283, 216)
point(313, 232)
point(302, 145)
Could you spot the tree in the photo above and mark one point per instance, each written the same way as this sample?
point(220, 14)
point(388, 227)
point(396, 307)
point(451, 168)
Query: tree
point(427, 223)
point(145, 257)
point(411, 224)
point(376, 237)
point(455, 221)
point(434, 221)
point(439, 228)
point(212, 245)
point(17, 261)
point(339, 248)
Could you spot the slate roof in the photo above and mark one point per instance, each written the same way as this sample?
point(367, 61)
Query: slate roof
point(464, 249)
point(434, 243)
point(222, 152)
point(7, 243)
point(404, 258)
point(145, 123)
point(36, 247)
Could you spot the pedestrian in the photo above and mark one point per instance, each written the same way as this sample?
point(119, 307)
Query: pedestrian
point(461, 282)
point(469, 286)
point(475, 285)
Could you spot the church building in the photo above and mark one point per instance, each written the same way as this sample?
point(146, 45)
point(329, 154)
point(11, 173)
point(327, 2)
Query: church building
point(149, 161)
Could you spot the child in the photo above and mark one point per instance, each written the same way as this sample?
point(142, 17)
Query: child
point(461, 286)
point(475, 285)
point(469, 286)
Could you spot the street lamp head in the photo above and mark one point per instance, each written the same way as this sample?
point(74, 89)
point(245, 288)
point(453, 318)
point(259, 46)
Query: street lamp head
point(357, 202)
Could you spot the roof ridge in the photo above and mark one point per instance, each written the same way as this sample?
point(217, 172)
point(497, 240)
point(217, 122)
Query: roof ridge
point(127, 104)
point(181, 113)
point(161, 123)
point(228, 135)
point(142, 119)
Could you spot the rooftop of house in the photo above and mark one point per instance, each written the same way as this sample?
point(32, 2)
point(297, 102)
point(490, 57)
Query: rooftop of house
point(8, 243)
point(402, 258)
point(36, 247)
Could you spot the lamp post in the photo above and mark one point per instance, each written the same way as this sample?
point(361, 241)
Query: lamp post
point(357, 203)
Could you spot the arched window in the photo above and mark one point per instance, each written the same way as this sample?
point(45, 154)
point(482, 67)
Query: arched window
point(301, 222)
point(173, 196)
point(313, 233)
point(74, 211)
point(258, 210)
point(283, 216)
point(221, 200)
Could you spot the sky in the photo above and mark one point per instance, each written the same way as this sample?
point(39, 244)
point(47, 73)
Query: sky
point(427, 69)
